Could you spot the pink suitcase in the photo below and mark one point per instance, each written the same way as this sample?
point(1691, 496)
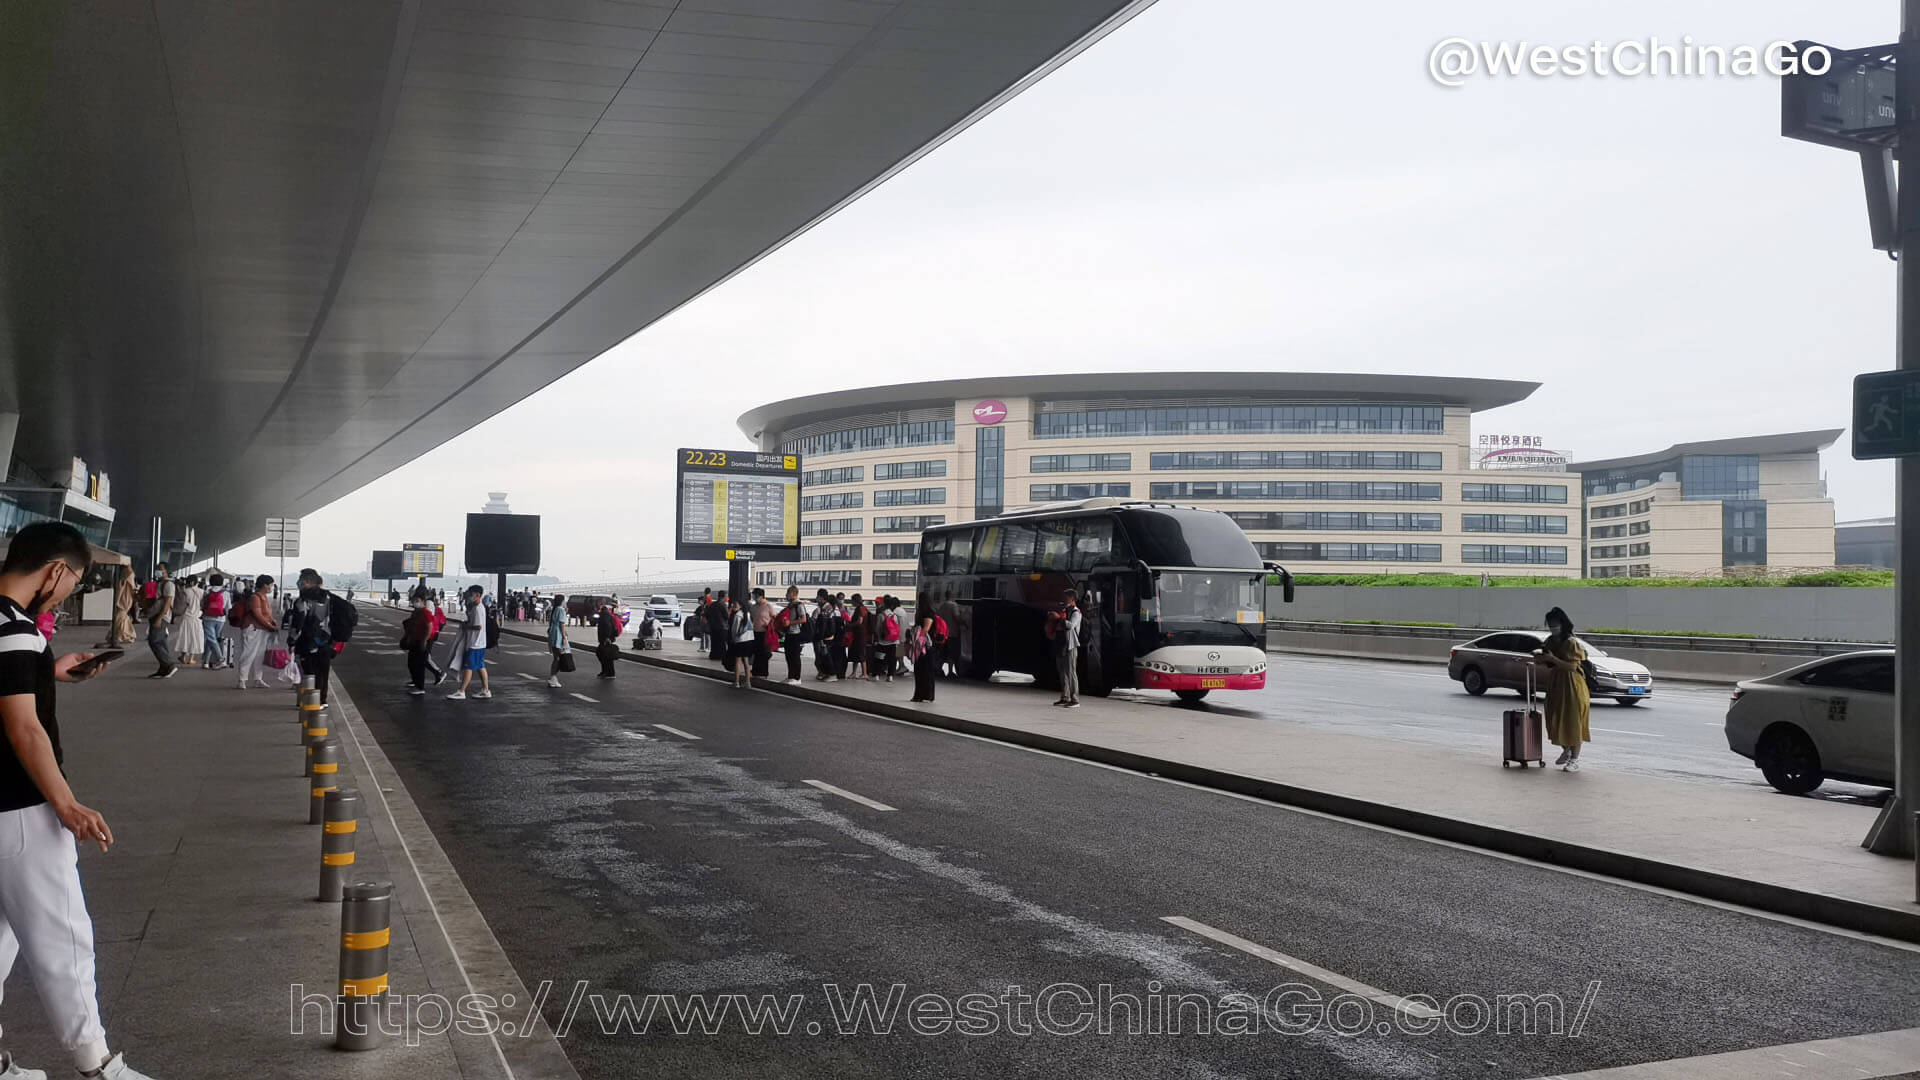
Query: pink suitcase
point(1520, 732)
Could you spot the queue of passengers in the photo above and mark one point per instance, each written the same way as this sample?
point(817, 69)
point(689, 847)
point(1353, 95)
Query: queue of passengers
point(849, 637)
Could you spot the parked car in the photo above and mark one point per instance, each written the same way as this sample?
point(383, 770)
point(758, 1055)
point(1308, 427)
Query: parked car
point(664, 609)
point(1831, 719)
point(1501, 660)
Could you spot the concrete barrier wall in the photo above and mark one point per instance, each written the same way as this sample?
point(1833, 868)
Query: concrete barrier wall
point(1792, 613)
point(1687, 664)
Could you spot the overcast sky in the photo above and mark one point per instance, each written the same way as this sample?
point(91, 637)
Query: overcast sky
point(1266, 185)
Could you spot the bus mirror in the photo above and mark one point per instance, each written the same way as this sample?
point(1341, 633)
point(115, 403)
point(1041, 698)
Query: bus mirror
point(1286, 588)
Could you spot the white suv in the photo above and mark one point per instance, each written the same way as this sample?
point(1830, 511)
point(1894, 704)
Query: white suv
point(664, 609)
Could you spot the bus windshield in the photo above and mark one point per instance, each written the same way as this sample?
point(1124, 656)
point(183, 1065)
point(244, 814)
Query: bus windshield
point(1212, 607)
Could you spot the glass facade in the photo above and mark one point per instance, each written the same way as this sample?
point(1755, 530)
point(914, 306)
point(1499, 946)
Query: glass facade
point(820, 577)
point(829, 552)
point(1514, 493)
point(911, 497)
point(1513, 553)
point(1632, 509)
point(876, 437)
point(852, 474)
point(1743, 532)
point(989, 471)
point(1515, 523)
point(896, 551)
point(831, 527)
point(1720, 476)
point(1244, 420)
point(1052, 463)
point(1298, 459)
point(1336, 520)
point(839, 500)
point(908, 524)
point(1294, 552)
point(1299, 489)
point(893, 579)
point(911, 470)
point(1064, 492)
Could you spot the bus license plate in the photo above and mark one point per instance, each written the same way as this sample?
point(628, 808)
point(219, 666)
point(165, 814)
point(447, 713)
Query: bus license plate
point(1213, 684)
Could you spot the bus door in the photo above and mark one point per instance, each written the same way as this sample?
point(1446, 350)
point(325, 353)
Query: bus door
point(1113, 606)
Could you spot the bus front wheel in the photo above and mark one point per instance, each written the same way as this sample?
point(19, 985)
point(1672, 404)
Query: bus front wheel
point(1190, 696)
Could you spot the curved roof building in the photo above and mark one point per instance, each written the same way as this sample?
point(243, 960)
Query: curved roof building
point(1326, 472)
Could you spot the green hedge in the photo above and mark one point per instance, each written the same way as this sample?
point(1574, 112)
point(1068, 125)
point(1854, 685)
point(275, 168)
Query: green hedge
point(1858, 579)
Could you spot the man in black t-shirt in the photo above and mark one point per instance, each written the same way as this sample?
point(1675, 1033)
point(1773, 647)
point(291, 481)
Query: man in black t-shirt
point(43, 913)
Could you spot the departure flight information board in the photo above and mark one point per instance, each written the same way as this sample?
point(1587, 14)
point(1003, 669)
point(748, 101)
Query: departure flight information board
point(428, 559)
point(737, 505)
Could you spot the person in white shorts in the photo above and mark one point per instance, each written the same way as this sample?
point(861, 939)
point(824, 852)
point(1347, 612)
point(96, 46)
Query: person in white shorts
point(43, 913)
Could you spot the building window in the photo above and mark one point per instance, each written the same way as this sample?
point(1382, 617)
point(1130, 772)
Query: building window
point(1335, 520)
point(1294, 552)
point(820, 577)
point(1518, 523)
point(1513, 553)
point(896, 551)
point(1514, 493)
point(1639, 550)
point(1720, 476)
point(1242, 420)
point(1299, 459)
point(1743, 532)
point(1052, 463)
point(1610, 551)
point(910, 497)
point(1298, 489)
point(831, 527)
point(911, 470)
point(893, 579)
point(908, 524)
point(829, 552)
point(1598, 532)
point(1063, 492)
point(852, 474)
point(840, 500)
point(1639, 528)
point(989, 471)
point(1632, 509)
point(875, 437)
point(765, 577)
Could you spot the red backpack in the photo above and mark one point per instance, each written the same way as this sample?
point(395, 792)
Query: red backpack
point(216, 603)
point(939, 629)
point(890, 627)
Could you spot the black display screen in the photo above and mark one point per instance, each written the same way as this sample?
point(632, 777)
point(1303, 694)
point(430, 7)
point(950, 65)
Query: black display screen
point(503, 543)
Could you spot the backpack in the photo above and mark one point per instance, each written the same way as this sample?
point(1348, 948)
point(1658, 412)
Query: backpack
point(237, 615)
point(215, 604)
point(493, 628)
point(342, 619)
point(890, 628)
point(939, 630)
point(150, 591)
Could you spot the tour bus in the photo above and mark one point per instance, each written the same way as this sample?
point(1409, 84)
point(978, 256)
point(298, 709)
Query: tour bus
point(1173, 597)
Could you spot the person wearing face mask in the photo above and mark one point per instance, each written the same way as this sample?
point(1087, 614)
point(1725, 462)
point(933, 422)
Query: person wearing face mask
point(43, 911)
point(416, 637)
point(1567, 697)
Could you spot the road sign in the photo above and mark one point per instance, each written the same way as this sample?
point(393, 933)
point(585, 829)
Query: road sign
point(1886, 414)
point(283, 538)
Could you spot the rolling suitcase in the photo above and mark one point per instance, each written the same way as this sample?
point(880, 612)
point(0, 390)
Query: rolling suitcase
point(1520, 736)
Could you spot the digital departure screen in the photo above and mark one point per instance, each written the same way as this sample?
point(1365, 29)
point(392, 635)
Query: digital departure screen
point(736, 504)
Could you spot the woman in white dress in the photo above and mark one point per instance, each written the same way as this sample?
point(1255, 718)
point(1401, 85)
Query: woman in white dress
point(189, 636)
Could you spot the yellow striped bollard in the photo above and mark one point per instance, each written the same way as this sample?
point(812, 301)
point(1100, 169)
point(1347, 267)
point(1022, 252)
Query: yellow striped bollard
point(313, 724)
point(300, 697)
point(365, 931)
point(326, 776)
point(339, 823)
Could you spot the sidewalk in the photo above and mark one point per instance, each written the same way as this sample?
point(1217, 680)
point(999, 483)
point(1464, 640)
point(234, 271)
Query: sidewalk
point(205, 912)
point(1791, 856)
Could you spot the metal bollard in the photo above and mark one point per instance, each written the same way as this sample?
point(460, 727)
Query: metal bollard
point(339, 824)
point(326, 776)
point(365, 930)
point(308, 704)
point(307, 682)
point(313, 728)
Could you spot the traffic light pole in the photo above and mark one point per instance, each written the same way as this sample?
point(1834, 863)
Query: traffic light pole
point(1893, 833)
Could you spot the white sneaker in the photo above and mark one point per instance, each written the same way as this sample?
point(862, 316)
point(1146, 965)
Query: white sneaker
point(793, 682)
point(1563, 758)
point(483, 694)
point(1573, 764)
point(555, 682)
point(415, 691)
point(117, 1068)
point(457, 696)
point(11, 1071)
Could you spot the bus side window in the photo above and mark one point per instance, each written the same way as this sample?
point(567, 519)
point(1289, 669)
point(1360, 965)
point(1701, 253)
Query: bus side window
point(1092, 542)
point(1016, 548)
point(960, 553)
point(1056, 546)
point(933, 556)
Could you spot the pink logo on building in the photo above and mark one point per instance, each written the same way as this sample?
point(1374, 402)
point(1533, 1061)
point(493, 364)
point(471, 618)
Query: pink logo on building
point(990, 412)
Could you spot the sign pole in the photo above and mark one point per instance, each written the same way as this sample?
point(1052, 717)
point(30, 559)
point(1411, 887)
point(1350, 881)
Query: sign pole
point(1893, 833)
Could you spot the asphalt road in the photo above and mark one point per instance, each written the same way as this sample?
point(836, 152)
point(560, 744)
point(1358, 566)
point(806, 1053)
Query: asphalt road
point(707, 860)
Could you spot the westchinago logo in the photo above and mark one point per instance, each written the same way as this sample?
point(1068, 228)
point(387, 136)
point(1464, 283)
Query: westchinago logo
point(990, 412)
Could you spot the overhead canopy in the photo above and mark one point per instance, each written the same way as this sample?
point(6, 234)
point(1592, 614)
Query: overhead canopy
point(254, 255)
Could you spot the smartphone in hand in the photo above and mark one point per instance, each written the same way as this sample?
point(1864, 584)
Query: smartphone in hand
point(95, 664)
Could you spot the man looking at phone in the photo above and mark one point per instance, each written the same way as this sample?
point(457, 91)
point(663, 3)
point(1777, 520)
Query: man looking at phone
point(43, 914)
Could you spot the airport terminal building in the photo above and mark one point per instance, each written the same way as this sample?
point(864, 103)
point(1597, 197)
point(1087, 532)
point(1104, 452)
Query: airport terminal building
point(1326, 473)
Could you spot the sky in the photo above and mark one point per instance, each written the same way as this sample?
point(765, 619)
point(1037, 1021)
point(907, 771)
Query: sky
point(1265, 185)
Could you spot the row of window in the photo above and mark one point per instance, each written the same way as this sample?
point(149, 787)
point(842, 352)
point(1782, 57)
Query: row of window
point(1244, 420)
point(1298, 459)
point(1632, 509)
point(882, 579)
point(1068, 492)
point(1362, 521)
point(911, 470)
point(1622, 551)
point(854, 500)
point(1469, 553)
point(855, 526)
point(1631, 528)
point(1052, 463)
point(1276, 490)
point(874, 437)
point(851, 552)
point(1635, 570)
point(852, 474)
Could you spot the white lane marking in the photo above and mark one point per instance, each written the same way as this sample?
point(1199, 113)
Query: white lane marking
point(524, 675)
point(633, 735)
point(1846, 1058)
point(677, 731)
point(845, 794)
point(585, 698)
point(1623, 731)
point(1393, 1001)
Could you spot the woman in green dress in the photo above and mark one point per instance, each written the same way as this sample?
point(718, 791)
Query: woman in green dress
point(1567, 701)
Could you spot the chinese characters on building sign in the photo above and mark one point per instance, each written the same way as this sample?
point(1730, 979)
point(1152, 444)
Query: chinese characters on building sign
point(1515, 452)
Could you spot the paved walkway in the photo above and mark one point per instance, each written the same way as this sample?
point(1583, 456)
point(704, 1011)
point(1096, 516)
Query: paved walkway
point(205, 908)
point(1794, 856)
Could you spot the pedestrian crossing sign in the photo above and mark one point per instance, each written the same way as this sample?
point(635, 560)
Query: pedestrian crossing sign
point(1886, 414)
